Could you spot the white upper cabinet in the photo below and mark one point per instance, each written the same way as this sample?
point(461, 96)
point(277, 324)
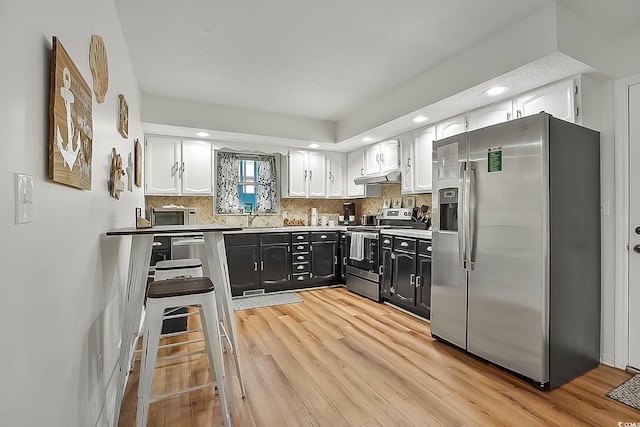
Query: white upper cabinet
point(355, 169)
point(407, 161)
point(453, 126)
point(557, 99)
point(196, 167)
point(423, 147)
point(307, 174)
point(382, 157)
point(491, 115)
point(335, 174)
point(416, 164)
point(177, 167)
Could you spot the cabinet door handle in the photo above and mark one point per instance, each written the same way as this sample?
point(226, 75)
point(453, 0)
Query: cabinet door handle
point(300, 278)
point(300, 267)
point(300, 257)
point(305, 174)
point(508, 116)
point(299, 248)
point(174, 168)
point(385, 241)
point(335, 259)
point(182, 170)
point(255, 266)
point(361, 171)
point(412, 278)
point(324, 236)
point(344, 260)
point(382, 158)
point(418, 282)
point(409, 162)
point(429, 248)
point(518, 113)
point(393, 255)
point(300, 237)
point(310, 175)
point(261, 265)
point(404, 244)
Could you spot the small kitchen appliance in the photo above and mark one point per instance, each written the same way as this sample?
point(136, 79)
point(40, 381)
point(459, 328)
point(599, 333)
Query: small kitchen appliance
point(348, 213)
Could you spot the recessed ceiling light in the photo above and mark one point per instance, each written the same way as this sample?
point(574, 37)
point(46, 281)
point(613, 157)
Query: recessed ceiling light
point(314, 145)
point(420, 119)
point(497, 90)
point(367, 139)
point(202, 134)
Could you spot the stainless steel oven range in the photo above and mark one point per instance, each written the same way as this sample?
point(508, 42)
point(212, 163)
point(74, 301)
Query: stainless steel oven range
point(363, 260)
point(363, 264)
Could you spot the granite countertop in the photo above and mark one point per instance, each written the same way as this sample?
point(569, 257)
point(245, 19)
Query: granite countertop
point(289, 229)
point(407, 232)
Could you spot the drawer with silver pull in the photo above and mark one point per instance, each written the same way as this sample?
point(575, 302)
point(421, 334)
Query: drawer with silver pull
point(299, 247)
point(404, 244)
point(328, 236)
point(300, 257)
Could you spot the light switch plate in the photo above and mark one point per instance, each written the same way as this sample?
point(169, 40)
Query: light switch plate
point(24, 198)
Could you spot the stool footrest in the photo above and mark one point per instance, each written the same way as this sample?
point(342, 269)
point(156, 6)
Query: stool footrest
point(182, 391)
point(178, 356)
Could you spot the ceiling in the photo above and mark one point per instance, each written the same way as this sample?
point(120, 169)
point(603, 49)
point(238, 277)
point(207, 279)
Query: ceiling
point(322, 60)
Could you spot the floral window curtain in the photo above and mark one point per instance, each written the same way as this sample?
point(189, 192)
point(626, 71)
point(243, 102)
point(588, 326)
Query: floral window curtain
point(267, 194)
point(227, 200)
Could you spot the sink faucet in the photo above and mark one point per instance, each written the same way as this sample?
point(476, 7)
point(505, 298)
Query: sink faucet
point(250, 218)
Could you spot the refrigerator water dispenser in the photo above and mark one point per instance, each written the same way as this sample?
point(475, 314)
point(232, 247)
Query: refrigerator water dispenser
point(448, 209)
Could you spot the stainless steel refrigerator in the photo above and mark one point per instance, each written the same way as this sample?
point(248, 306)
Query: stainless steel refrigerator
point(516, 246)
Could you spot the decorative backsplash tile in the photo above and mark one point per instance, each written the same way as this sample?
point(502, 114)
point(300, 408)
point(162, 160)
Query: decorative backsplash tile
point(296, 208)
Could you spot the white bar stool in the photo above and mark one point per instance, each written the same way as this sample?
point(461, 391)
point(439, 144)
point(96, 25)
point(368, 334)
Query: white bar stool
point(169, 269)
point(193, 267)
point(183, 291)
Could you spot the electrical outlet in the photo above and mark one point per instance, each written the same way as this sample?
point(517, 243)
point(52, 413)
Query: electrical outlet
point(24, 198)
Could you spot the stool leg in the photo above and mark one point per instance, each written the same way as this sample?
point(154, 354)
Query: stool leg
point(231, 330)
point(209, 348)
point(151, 339)
point(209, 314)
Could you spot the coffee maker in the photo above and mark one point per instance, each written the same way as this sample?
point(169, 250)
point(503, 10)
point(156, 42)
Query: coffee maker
point(348, 214)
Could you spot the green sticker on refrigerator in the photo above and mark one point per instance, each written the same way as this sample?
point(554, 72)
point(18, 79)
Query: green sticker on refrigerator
point(494, 159)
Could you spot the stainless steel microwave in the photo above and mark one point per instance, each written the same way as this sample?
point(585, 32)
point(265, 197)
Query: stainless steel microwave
point(177, 215)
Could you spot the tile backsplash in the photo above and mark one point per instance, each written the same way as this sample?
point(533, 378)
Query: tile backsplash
point(296, 208)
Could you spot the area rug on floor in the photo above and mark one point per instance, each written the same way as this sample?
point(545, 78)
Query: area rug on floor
point(628, 392)
point(245, 303)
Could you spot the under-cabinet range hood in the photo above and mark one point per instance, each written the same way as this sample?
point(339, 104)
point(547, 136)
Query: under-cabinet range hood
point(379, 178)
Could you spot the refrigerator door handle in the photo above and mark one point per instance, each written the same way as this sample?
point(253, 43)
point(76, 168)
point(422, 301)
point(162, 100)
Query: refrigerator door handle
point(470, 204)
point(462, 255)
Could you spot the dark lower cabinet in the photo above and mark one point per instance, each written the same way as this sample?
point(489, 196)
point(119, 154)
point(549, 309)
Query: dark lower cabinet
point(324, 257)
point(275, 265)
point(343, 255)
point(423, 282)
point(406, 273)
point(257, 263)
point(269, 262)
point(386, 266)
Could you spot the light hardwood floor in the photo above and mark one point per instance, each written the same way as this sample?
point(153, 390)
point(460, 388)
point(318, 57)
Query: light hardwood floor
point(337, 359)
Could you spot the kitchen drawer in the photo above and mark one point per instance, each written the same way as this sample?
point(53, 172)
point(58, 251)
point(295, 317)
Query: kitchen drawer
point(299, 237)
point(424, 247)
point(402, 244)
point(274, 238)
point(241, 239)
point(300, 247)
point(300, 257)
point(386, 241)
point(301, 278)
point(330, 236)
point(301, 268)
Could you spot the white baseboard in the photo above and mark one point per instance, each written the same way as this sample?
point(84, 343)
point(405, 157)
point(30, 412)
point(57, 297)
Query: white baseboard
point(608, 359)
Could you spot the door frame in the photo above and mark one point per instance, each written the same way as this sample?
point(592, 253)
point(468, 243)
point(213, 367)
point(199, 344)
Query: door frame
point(621, 250)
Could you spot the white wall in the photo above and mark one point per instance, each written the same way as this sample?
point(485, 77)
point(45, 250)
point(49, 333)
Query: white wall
point(61, 280)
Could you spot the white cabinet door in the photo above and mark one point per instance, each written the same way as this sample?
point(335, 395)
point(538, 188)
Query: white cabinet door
point(491, 115)
point(557, 100)
point(196, 167)
point(298, 171)
point(389, 155)
point(355, 169)
point(317, 175)
point(423, 146)
point(162, 165)
point(335, 174)
point(454, 126)
point(372, 159)
point(407, 163)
